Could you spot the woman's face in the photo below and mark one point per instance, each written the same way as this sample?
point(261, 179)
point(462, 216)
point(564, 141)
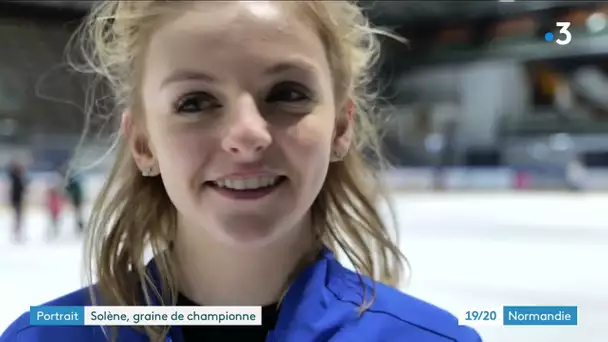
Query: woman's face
point(240, 119)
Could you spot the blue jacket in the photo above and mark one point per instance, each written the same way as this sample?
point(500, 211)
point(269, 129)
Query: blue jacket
point(320, 306)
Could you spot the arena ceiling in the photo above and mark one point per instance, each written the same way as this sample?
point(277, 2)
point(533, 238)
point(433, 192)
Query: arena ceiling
point(398, 13)
point(390, 13)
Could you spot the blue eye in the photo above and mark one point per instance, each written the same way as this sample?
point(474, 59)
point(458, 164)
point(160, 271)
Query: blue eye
point(195, 103)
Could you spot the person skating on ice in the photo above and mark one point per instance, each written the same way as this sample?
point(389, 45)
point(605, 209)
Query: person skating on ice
point(17, 194)
point(54, 204)
point(75, 194)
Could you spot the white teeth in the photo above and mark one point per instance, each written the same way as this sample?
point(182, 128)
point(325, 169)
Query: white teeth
point(247, 183)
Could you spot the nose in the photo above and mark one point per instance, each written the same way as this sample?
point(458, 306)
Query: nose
point(247, 135)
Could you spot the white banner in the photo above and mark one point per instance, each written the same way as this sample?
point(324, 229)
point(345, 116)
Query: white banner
point(172, 315)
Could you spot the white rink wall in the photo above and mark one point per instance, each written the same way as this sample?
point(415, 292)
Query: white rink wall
point(416, 179)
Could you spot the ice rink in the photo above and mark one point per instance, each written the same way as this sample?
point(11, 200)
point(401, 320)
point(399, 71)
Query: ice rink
point(467, 251)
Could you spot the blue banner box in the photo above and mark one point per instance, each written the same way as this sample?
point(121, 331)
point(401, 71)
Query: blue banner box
point(57, 315)
point(540, 315)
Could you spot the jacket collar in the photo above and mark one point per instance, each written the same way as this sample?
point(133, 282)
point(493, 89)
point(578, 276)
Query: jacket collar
point(308, 284)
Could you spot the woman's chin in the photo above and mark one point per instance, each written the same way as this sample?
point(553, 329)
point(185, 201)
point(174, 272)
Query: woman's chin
point(247, 237)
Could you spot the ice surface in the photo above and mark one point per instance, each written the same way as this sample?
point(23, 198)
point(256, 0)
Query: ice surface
point(467, 251)
point(38, 270)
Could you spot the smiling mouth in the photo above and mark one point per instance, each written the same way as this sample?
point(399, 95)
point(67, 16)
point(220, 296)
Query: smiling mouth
point(248, 184)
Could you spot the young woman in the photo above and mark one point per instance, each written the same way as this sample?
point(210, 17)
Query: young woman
point(241, 165)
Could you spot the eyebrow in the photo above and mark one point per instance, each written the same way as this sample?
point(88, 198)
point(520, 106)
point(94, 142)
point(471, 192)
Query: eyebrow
point(279, 68)
point(187, 75)
point(300, 65)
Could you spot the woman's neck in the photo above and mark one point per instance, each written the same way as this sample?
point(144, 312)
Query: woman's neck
point(218, 275)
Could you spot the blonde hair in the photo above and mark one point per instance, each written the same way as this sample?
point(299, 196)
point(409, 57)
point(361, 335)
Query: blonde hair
point(133, 212)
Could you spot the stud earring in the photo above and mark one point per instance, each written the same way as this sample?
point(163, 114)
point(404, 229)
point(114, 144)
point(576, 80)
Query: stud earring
point(147, 172)
point(336, 156)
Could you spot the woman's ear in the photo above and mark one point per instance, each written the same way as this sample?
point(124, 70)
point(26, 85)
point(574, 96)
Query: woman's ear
point(139, 144)
point(343, 134)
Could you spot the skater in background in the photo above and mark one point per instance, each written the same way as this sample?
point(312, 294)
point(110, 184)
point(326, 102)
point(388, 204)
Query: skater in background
point(75, 194)
point(54, 205)
point(18, 185)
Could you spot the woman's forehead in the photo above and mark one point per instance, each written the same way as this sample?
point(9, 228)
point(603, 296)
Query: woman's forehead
point(222, 16)
point(263, 34)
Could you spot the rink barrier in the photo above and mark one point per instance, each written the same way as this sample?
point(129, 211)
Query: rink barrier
point(404, 179)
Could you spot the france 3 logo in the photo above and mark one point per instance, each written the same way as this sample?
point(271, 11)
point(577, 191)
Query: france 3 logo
point(563, 37)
